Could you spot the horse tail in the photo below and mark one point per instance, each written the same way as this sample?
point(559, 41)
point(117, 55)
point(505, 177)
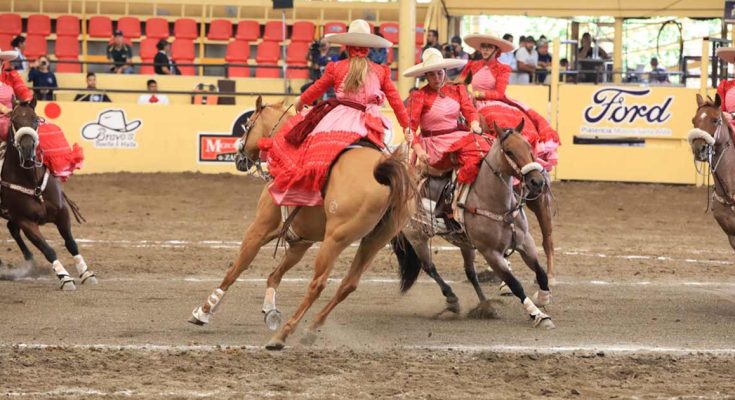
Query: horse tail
point(74, 209)
point(408, 261)
point(392, 172)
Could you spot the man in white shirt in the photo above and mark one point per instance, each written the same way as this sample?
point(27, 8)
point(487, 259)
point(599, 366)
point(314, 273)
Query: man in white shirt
point(153, 97)
point(509, 59)
point(527, 58)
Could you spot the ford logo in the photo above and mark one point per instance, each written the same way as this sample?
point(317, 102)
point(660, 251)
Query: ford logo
point(619, 105)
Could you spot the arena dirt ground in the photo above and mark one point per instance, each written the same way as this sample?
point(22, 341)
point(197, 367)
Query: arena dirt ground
point(644, 307)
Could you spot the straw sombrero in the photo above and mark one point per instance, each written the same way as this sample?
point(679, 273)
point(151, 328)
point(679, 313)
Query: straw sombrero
point(476, 39)
point(432, 60)
point(726, 54)
point(8, 55)
point(358, 35)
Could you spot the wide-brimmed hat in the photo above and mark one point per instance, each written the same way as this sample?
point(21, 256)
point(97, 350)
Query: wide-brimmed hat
point(433, 60)
point(474, 40)
point(8, 55)
point(726, 54)
point(358, 35)
point(109, 121)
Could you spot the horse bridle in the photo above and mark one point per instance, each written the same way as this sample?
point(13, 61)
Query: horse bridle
point(519, 172)
point(242, 161)
point(727, 199)
point(34, 125)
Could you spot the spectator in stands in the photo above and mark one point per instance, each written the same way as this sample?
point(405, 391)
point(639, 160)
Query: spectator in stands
point(42, 77)
point(19, 45)
point(120, 54)
point(458, 49)
point(658, 74)
point(587, 49)
point(153, 97)
point(544, 61)
point(432, 40)
point(527, 59)
point(163, 64)
point(509, 59)
point(92, 97)
point(379, 56)
point(563, 67)
point(318, 59)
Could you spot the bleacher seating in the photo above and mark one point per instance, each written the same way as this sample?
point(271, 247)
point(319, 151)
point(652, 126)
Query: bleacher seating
point(130, 27)
point(248, 31)
point(182, 51)
point(273, 31)
point(389, 30)
point(11, 24)
point(335, 27)
point(36, 46)
point(67, 49)
point(238, 52)
point(39, 25)
point(67, 25)
point(156, 28)
point(303, 31)
point(220, 29)
point(296, 57)
point(5, 41)
point(186, 28)
point(420, 31)
point(100, 27)
point(268, 53)
point(148, 51)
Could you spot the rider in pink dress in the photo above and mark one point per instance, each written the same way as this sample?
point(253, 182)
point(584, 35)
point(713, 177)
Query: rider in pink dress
point(445, 143)
point(726, 88)
point(302, 152)
point(11, 85)
point(489, 79)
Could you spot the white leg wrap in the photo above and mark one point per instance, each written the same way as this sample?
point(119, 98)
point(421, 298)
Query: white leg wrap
point(269, 303)
point(80, 264)
point(215, 299)
point(535, 313)
point(59, 269)
point(542, 298)
point(67, 282)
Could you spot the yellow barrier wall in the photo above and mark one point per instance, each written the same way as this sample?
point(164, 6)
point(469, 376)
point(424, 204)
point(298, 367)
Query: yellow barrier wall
point(660, 115)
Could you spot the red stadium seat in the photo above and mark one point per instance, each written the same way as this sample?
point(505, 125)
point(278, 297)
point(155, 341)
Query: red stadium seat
point(296, 57)
point(389, 30)
point(39, 25)
point(419, 52)
point(297, 73)
point(186, 28)
point(67, 25)
point(220, 29)
point(182, 51)
point(70, 67)
point(273, 31)
point(248, 31)
point(130, 27)
point(420, 31)
point(11, 24)
point(303, 31)
point(389, 58)
point(156, 28)
point(100, 27)
point(268, 53)
point(5, 41)
point(67, 47)
point(238, 52)
point(335, 27)
point(148, 51)
point(35, 46)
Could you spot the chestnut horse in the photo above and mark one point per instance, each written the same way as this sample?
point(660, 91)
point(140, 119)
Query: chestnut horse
point(495, 224)
point(366, 198)
point(33, 197)
point(711, 142)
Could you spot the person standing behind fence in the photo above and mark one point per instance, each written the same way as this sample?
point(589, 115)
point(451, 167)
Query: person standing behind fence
point(120, 54)
point(658, 74)
point(153, 97)
point(42, 77)
point(527, 59)
point(92, 97)
point(432, 40)
point(544, 61)
point(163, 64)
point(19, 45)
point(509, 58)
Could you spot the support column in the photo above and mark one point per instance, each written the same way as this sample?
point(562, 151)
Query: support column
point(406, 44)
point(618, 51)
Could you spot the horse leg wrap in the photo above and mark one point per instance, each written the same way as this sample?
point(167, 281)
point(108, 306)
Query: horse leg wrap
point(534, 312)
point(67, 282)
point(59, 269)
point(213, 301)
point(269, 303)
point(82, 269)
point(542, 298)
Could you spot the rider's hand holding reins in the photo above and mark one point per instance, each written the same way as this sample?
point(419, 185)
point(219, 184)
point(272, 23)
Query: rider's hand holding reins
point(299, 105)
point(475, 127)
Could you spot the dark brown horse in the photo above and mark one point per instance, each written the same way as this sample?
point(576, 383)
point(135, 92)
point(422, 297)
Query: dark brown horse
point(32, 196)
point(711, 142)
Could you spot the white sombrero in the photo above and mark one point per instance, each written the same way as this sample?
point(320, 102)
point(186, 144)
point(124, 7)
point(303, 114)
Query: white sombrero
point(726, 54)
point(8, 55)
point(476, 39)
point(358, 35)
point(432, 60)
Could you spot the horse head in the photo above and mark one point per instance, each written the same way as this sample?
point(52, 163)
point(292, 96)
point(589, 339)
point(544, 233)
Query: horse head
point(710, 128)
point(263, 123)
point(23, 132)
point(518, 159)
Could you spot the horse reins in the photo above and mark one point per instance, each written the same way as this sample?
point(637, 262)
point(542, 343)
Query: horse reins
point(37, 191)
point(727, 199)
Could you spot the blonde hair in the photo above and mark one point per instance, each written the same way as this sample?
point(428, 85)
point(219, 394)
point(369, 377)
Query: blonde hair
point(356, 74)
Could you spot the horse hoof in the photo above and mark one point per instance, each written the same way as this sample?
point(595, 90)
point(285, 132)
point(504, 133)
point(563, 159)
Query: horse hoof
point(273, 319)
point(505, 290)
point(309, 337)
point(552, 281)
point(484, 310)
point(275, 345)
point(88, 277)
point(546, 324)
point(67, 284)
point(199, 317)
point(453, 305)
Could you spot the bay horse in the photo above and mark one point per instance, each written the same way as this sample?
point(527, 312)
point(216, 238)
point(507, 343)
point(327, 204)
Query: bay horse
point(711, 141)
point(367, 197)
point(32, 196)
point(494, 224)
